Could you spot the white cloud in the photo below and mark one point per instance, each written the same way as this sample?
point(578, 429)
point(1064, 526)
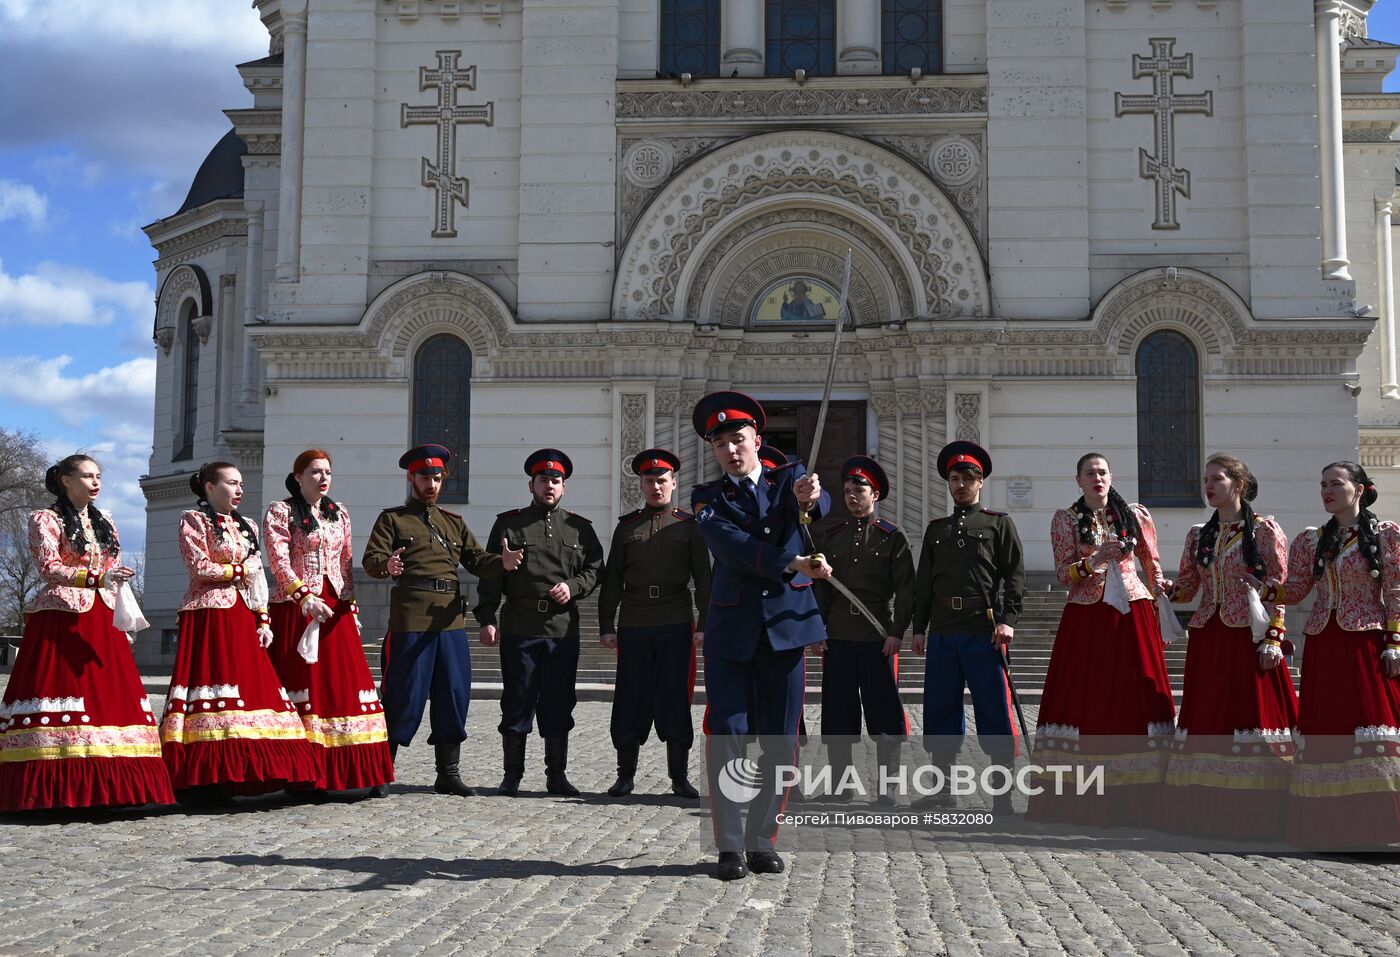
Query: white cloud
point(22, 201)
point(55, 295)
point(193, 25)
point(122, 393)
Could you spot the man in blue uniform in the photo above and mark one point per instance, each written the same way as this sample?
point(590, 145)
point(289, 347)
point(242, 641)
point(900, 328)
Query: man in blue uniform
point(761, 618)
point(967, 557)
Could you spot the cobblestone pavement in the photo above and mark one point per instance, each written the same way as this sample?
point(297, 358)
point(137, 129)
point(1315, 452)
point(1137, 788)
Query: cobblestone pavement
point(421, 873)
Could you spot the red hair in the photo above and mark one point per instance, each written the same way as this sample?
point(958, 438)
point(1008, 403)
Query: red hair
point(304, 460)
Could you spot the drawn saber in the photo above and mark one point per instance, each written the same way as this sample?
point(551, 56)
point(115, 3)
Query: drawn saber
point(804, 518)
point(858, 605)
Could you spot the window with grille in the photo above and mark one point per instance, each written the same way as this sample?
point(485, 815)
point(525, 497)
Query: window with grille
point(689, 37)
point(1169, 421)
point(912, 36)
point(189, 380)
point(801, 36)
point(442, 371)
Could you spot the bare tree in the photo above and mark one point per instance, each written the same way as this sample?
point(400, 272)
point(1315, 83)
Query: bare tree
point(22, 469)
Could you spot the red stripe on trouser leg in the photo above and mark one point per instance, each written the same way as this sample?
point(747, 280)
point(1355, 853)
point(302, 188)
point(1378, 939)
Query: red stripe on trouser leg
point(894, 665)
point(1011, 716)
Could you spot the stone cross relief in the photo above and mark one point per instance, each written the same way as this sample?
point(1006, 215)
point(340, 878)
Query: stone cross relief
point(446, 114)
point(1163, 105)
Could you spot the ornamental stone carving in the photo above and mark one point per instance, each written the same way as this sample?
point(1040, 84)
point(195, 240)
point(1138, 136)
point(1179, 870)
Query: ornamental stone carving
point(937, 251)
point(632, 441)
point(648, 163)
point(968, 409)
point(955, 160)
point(926, 99)
point(185, 283)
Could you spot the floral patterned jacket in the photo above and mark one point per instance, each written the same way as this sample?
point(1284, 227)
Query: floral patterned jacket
point(1085, 581)
point(306, 561)
point(1221, 585)
point(71, 578)
point(220, 564)
point(1346, 587)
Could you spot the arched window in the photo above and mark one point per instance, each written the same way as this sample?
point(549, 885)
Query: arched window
point(188, 408)
point(442, 405)
point(801, 35)
point(1169, 421)
point(912, 36)
point(690, 37)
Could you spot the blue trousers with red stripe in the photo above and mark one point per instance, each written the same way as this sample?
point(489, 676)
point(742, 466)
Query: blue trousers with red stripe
point(779, 677)
point(973, 661)
point(420, 665)
point(857, 676)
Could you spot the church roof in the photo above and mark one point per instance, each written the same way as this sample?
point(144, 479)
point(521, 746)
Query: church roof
point(220, 176)
point(1353, 42)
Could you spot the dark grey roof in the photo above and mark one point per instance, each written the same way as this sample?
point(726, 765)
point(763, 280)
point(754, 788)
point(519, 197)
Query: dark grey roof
point(220, 176)
point(273, 60)
point(1368, 42)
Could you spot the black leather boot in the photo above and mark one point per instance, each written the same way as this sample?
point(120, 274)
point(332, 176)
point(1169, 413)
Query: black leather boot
point(838, 751)
point(449, 780)
point(887, 755)
point(514, 747)
point(626, 770)
point(556, 762)
point(382, 790)
point(678, 767)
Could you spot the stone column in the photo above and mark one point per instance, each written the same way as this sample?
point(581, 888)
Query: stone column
point(252, 282)
point(1385, 286)
point(741, 37)
point(293, 127)
point(1327, 33)
point(859, 37)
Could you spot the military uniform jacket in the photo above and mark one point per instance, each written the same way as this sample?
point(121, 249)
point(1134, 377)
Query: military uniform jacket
point(753, 592)
point(654, 556)
point(435, 541)
point(945, 576)
point(872, 558)
point(560, 546)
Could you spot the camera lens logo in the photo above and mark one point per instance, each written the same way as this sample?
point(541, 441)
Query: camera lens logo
point(739, 780)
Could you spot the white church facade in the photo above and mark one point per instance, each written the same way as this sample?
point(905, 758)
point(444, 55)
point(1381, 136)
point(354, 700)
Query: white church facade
point(1151, 228)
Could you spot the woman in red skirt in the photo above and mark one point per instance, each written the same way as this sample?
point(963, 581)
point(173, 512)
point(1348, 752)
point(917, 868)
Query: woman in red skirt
point(76, 728)
point(229, 727)
point(1107, 700)
point(1345, 790)
point(310, 556)
point(1233, 754)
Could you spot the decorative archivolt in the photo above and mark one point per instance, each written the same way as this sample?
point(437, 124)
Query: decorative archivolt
point(415, 307)
point(923, 241)
point(1192, 302)
point(184, 283)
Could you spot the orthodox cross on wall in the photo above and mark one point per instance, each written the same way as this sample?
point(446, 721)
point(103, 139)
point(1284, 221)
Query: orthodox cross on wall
point(1163, 105)
point(446, 115)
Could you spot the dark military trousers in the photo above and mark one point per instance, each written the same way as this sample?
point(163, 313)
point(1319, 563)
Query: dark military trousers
point(423, 665)
point(780, 678)
point(655, 681)
point(974, 661)
point(856, 676)
point(538, 674)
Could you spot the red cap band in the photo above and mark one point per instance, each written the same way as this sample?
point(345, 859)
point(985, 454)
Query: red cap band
point(726, 415)
point(965, 459)
point(429, 463)
point(547, 464)
point(655, 464)
point(861, 473)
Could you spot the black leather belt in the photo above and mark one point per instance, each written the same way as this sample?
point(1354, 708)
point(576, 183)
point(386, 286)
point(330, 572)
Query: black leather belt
point(442, 586)
point(959, 603)
point(542, 605)
point(656, 591)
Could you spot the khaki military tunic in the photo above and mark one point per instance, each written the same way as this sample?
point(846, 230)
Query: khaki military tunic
point(872, 558)
point(654, 556)
point(973, 541)
point(435, 541)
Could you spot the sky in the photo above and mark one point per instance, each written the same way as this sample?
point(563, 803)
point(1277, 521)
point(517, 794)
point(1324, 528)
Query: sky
point(106, 110)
